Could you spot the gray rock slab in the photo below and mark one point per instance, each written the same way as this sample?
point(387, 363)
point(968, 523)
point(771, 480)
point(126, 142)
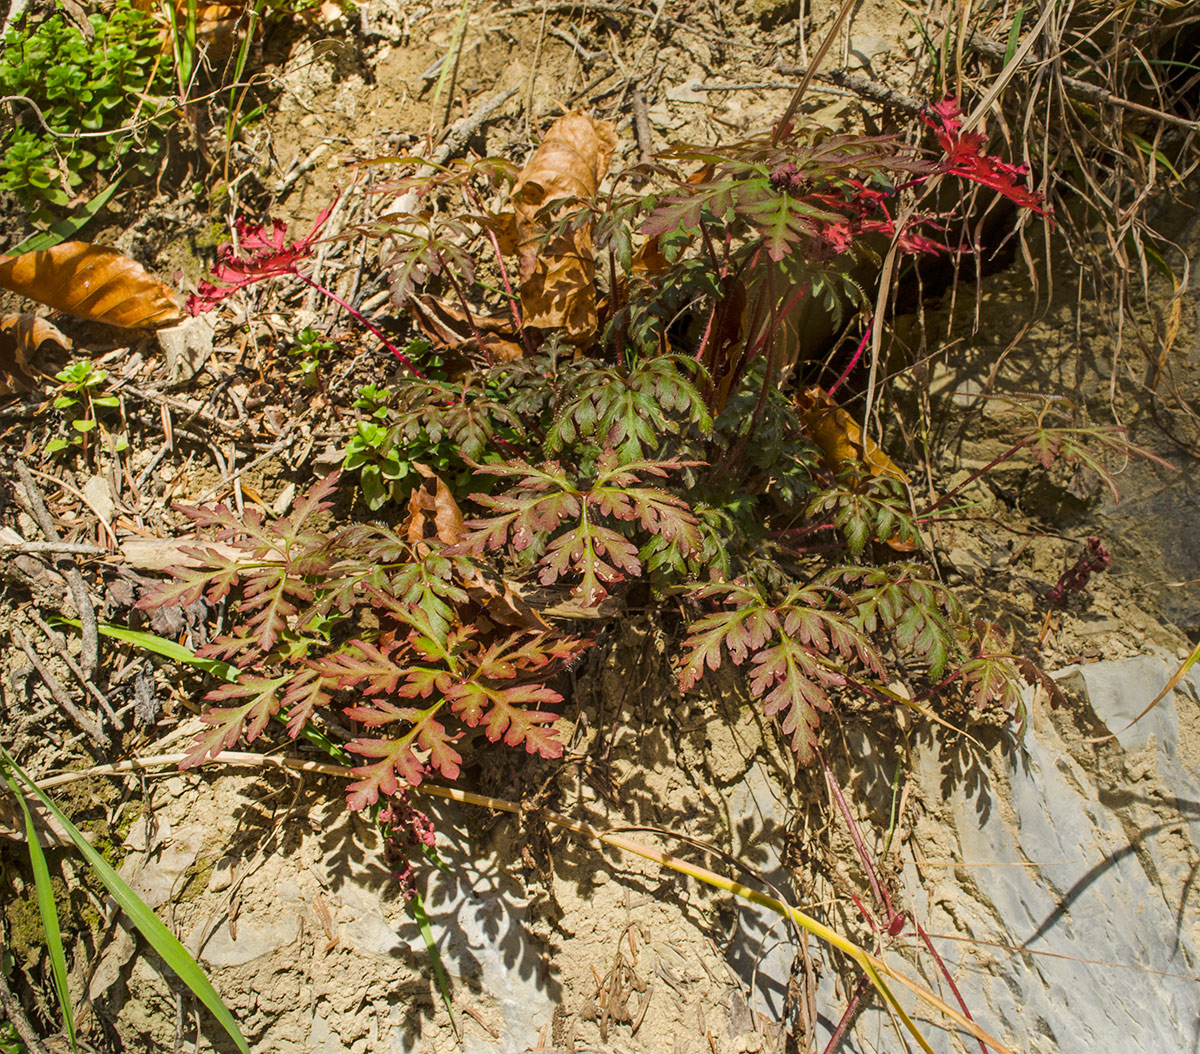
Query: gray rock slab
point(1053, 864)
point(478, 914)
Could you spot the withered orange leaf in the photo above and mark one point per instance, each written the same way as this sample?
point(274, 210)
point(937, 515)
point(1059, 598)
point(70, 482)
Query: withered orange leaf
point(432, 510)
point(840, 437)
point(92, 282)
point(558, 272)
point(20, 338)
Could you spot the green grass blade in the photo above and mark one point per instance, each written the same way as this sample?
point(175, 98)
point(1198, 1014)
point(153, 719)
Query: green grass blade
point(450, 66)
point(49, 913)
point(232, 121)
point(164, 942)
point(1158, 155)
point(416, 908)
point(168, 649)
point(1014, 36)
point(71, 226)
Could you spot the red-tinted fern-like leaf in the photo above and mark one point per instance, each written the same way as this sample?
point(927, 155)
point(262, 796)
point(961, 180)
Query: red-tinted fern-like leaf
point(211, 582)
point(267, 599)
point(263, 256)
point(742, 630)
point(319, 497)
point(230, 724)
point(964, 157)
point(599, 554)
point(246, 531)
point(791, 680)
point(307, 692)
point(381, 712)
point(501, 712)
point(397, 763)
point(364, 667)
point(507, 658)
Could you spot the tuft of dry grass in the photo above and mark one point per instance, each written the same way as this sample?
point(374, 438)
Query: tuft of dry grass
point(1102, 101)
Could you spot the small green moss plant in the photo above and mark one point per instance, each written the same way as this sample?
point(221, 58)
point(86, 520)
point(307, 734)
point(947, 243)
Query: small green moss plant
point(84, 107)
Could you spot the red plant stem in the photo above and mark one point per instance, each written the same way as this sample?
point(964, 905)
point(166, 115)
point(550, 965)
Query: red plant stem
point(980, 472)
point(404, 359)
point(708, 330)
point(946, 974)
point(848, 1015)
point(769, 332)
point(462, 300)
point(615, 288)
point(881, 894)
point(513, 299)
point(854, 361)
point(718, 268)
point(867, 916)
point(760, 406)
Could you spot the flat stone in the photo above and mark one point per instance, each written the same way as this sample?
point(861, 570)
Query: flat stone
point(186, 347)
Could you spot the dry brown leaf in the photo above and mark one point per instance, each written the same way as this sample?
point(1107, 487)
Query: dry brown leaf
point(499, 601)
point(432, 511)
point(840, 437)
point(558, 276)
point(20, 338)
point(92, 282)
point(450, 331)
point(219, 27)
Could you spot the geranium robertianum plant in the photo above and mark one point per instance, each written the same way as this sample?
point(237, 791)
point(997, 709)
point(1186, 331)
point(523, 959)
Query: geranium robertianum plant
point(646, 426)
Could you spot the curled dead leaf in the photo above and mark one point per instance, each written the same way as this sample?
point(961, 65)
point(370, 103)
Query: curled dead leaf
point(20, 338)
point(558, 274)
point(451, 332)
point(92, 282)
point(840, 437)
point(432, 510)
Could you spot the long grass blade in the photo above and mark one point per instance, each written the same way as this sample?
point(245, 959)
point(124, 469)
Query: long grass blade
point(49, 913)
point(162, 940)
point(416, 908)
point(1014, 36)
point(168, 649)
point(67, 229)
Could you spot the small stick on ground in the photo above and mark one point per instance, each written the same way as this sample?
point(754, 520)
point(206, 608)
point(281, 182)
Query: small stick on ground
point(641, 126)
point(462, 130)
point(64, 548)
point(859, 85)
point(60, 646)
point(89, 653)
point(85, 721)
point(278, 446)
point(16, 1015)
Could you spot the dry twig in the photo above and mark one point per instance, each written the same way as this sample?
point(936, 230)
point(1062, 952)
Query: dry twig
point(85, 721)
point(90, 649)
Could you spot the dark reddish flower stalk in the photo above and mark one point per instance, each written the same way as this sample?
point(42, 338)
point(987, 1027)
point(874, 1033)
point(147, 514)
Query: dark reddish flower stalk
point(405, 828)
point(1092, 560)
point(862, 344)
point(261, 256)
